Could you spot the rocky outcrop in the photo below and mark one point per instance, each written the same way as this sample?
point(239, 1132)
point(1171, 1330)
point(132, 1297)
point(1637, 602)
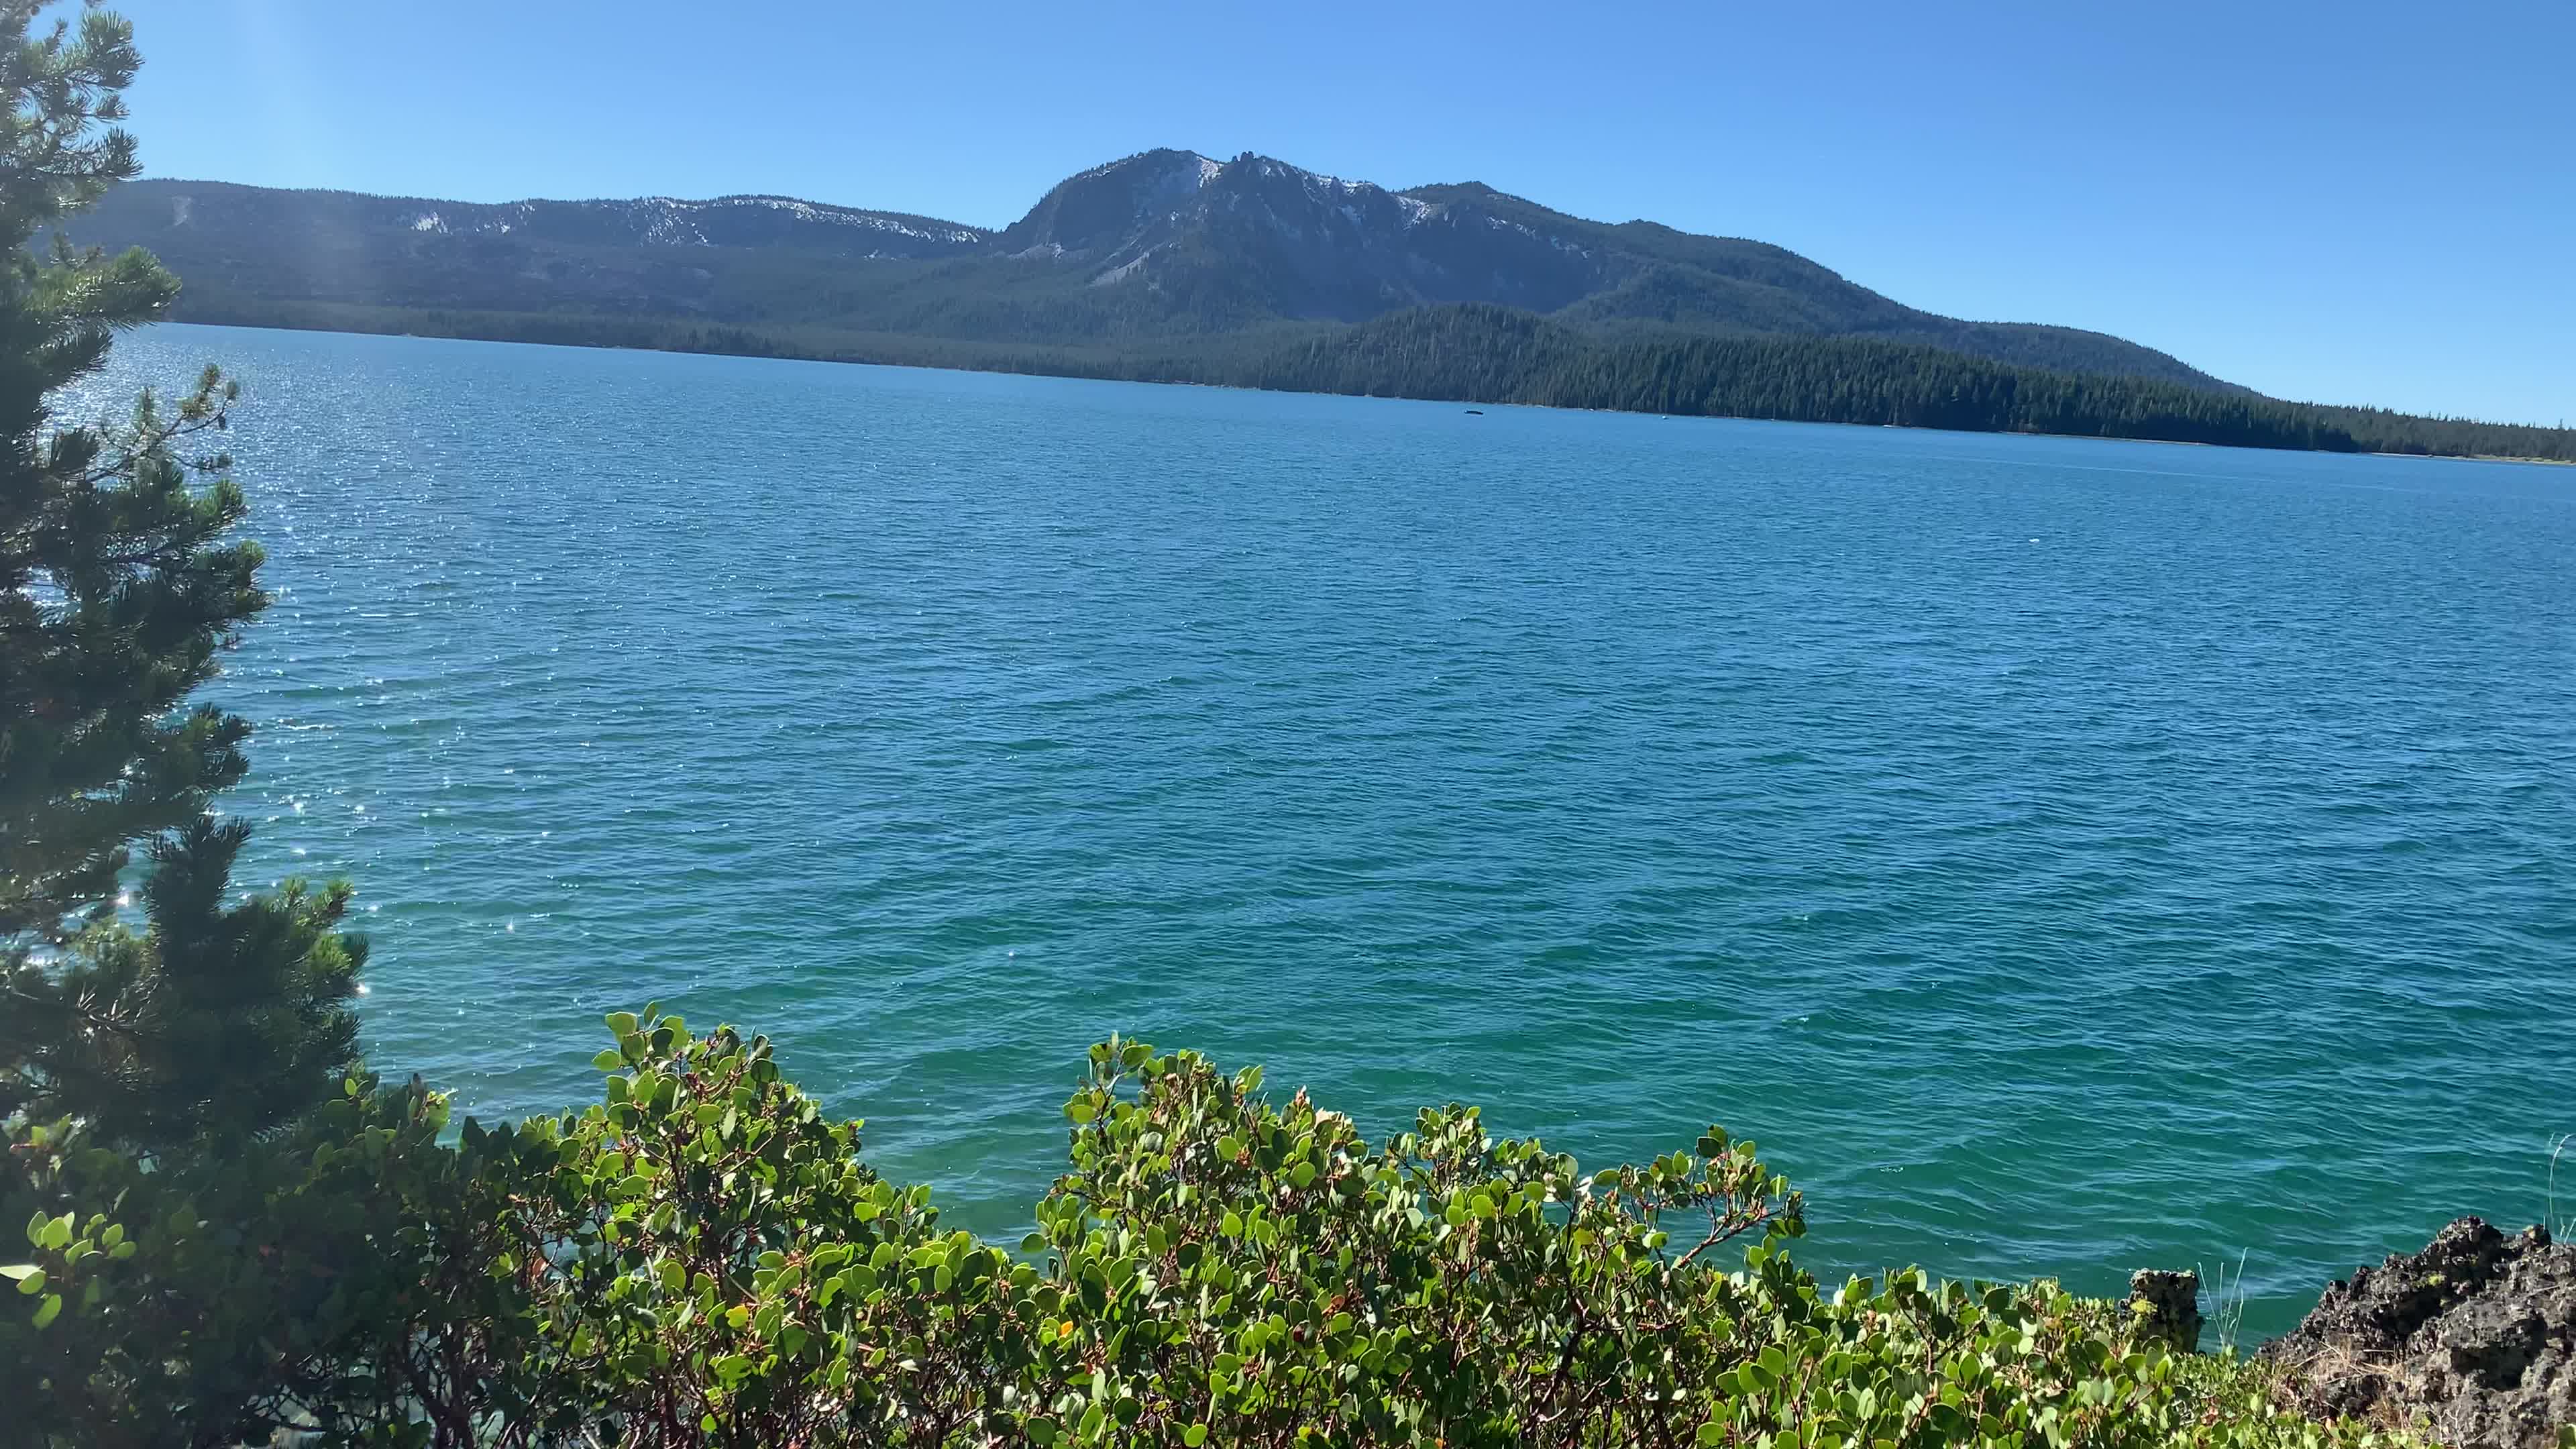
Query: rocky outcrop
point(2167, 1305)
point(2472, 1341)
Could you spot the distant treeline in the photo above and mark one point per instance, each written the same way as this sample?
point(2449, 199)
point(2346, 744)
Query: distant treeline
point(1492, 354)
point(1495, 354)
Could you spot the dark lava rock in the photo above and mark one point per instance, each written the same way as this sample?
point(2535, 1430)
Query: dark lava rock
point(2472, 1340)
point(2168, 1306)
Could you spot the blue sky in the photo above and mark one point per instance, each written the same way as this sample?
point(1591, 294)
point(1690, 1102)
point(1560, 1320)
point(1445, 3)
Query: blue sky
point(2354, 202)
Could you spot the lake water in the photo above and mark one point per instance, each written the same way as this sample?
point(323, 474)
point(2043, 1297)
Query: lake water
point(2064, 856)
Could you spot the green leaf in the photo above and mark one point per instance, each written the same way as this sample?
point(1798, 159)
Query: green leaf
point(18, 1270)
point(58, 1233)
point(1194, 1435)
point(607, 1061)
point(1080, 1110)
point(621, 1022)
point(31, 1282)
point(49, 1310)
point(1041, 1432)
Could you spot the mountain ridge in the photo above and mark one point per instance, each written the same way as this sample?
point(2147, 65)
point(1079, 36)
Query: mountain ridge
point(1163, 244)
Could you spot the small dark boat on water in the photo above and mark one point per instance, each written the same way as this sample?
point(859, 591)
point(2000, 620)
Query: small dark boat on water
point(1475, 412)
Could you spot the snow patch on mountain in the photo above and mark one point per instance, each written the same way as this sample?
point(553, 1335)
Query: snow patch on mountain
point(822, 215)
point(1124, 270)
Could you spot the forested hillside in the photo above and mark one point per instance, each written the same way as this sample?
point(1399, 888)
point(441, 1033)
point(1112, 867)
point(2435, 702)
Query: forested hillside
point(1171, 266)
point(1493, 354)
point(1163, 245)
point(1489, 354)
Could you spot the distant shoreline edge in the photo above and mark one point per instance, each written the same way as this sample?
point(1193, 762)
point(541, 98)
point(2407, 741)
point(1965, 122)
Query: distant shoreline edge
point(1035, 360)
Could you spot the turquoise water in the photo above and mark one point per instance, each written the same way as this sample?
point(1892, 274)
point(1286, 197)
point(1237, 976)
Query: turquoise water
point(2064, 856)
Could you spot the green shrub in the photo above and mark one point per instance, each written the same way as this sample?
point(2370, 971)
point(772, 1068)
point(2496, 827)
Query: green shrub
point(703, 1258)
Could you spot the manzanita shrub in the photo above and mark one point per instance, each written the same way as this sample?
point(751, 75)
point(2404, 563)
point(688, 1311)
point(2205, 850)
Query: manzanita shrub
point(703, 1258)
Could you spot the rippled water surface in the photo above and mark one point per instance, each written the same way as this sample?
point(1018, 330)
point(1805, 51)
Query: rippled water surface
point(2065, 856)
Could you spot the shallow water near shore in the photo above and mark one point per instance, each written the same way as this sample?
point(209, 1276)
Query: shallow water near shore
point(2064, 856)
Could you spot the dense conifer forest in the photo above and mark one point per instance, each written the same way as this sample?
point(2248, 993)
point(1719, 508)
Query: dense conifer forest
point(1483, 353)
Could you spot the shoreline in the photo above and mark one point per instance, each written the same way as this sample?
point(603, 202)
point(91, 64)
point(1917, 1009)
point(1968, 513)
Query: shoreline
point(1070, 369)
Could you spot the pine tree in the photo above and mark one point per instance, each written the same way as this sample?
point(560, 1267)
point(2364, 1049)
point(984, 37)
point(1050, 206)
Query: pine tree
point(121, 583)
